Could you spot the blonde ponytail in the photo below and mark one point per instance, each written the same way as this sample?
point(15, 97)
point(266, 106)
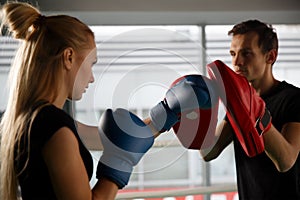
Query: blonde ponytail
point(36, 75)
point(20, 18)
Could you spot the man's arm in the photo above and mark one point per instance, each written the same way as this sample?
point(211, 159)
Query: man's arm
point(283, 148)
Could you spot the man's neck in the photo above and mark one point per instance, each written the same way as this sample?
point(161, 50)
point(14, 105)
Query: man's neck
point(265, 85)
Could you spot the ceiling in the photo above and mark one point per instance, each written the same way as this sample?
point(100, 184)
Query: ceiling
point(150, 12)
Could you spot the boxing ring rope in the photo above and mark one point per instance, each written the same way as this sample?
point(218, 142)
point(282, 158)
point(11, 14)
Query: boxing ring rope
point(179, 192)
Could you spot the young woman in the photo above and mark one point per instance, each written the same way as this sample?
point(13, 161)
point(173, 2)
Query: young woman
point(41, 151)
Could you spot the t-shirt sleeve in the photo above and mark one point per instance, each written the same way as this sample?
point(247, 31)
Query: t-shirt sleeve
point(47, 122)
point(293, 109)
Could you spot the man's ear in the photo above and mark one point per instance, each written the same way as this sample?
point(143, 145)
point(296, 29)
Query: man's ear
point(272, 56)
point(68, 58)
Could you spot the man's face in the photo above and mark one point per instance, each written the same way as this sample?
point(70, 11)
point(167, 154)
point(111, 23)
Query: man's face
point(247, 57)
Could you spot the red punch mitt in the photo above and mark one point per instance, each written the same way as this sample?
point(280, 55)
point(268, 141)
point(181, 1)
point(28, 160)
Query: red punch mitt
point(246, 111)
point(196, 128)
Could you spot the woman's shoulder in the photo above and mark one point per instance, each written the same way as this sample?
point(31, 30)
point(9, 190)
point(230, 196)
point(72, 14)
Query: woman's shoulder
point(51, 114)
point(49, 120)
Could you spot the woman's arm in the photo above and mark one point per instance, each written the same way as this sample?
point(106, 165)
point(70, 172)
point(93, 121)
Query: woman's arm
point(155, 132)
point(104, 190)
point(90, 134)
point(68, 173)
point(222, 139)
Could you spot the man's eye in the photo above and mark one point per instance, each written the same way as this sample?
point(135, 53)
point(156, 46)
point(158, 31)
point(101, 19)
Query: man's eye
point(247, 53)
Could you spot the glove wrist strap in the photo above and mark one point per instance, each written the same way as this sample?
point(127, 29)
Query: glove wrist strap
point(263, 123)
point(162, 117)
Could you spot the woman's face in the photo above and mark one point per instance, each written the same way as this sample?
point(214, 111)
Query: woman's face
point(84, 74)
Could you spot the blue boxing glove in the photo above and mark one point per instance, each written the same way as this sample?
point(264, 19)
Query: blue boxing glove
point(125, 139)
point(186, 93)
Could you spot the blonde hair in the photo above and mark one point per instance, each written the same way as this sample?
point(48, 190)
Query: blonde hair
point(35, 76)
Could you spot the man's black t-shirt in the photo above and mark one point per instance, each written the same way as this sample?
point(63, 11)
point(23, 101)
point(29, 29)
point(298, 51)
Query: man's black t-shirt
point(34, 181)
point(257, 177)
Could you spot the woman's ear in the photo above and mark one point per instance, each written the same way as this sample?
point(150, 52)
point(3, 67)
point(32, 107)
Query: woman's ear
point(68, 58)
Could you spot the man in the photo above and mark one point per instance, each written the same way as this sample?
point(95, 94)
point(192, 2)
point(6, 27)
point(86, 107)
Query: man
point(275, 173)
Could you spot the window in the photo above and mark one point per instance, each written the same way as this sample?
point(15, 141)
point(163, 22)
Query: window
point(287, 66)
